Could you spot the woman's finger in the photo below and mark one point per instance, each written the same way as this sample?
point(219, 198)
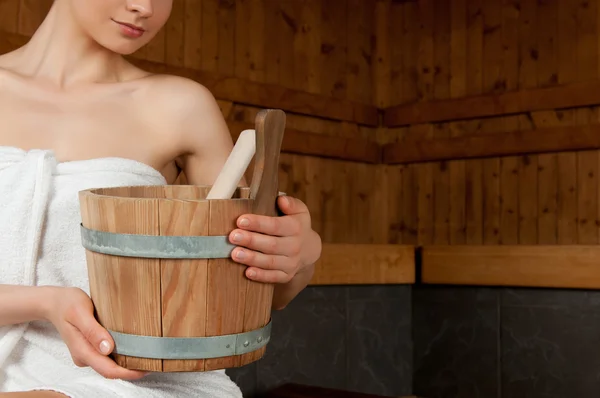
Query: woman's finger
point(109, 369)
point(252, 258)
point(267, 276)
point(85, 353)
point(102, 364)
point(287, 246)
point(275, 226)
point(265, 267)
point(95, 334)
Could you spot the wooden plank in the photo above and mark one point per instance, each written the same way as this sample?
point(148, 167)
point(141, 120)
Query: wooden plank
point(311, 144)
point(528, 54)
point(528, 187)
point(511, 73)
point(287, 27)
point(405, 55)
point(333, 49)
point(474, 168)
point(568, 65)
point(441, 31)
point(425, 91)
point(273, 59)
point(306, 45)
point(547, 74)
point(381, 70)
point(225, 295)
point(543, 140)
point(547, 186)
point(192, 36)
point(360, 31)
point(512, 102)
point(209, 35)
point(492, 61)
point(246, 92)
point(587, 161)
point(551, 266)
point(404, 203)
point(226, 37)
point(587, 187)
point(183, 281)
point(358, 264)
point(244, 42)
point(174, 35)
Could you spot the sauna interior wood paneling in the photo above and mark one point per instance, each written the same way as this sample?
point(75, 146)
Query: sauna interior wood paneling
point(388, 53)
point(451, 49)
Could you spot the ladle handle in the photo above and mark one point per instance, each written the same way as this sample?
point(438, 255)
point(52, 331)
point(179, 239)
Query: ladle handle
point(264, 189)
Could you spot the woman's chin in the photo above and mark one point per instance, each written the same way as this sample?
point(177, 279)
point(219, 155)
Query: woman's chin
point(122, 47)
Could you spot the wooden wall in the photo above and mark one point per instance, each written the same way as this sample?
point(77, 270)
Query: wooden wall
point(314, 46)
point(387, 53)
point(450, 49)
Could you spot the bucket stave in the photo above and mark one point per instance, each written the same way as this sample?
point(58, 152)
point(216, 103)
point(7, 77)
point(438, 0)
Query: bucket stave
point(162, 280)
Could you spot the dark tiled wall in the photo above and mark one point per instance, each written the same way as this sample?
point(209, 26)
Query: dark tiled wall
point(506, 343)
point(350, 338)
point(436, 342)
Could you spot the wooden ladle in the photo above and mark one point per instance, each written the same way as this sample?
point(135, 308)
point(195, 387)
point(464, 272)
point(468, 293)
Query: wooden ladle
point(264, 189)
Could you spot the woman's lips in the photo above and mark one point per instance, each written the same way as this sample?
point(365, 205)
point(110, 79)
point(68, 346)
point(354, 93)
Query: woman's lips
point(130, 30)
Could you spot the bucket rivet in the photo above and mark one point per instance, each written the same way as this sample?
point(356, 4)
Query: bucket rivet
point(228, 346)
point(246, 343)
point(259, 339)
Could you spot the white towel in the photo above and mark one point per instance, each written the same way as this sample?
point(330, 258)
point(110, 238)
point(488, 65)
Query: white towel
point(41, 245)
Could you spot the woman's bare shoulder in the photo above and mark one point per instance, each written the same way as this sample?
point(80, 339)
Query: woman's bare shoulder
point(180, 90)
point(186, 109)
point(192, 119)
point(181, 99)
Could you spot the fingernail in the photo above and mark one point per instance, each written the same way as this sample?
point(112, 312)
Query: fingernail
point(251, 273)
point(105, 347)
point(237, 237)
point(240, 254)
point(244, 222)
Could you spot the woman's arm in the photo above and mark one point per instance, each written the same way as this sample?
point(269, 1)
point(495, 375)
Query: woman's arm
point(21, 304)
point(280, 250)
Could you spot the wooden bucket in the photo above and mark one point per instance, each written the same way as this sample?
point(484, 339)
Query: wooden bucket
point(162, 280)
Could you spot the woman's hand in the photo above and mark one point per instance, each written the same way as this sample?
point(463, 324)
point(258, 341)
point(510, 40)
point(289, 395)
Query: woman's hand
point(277, 249)
point(72, 313)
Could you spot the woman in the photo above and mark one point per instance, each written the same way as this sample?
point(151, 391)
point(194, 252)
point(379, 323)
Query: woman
point(75, 115)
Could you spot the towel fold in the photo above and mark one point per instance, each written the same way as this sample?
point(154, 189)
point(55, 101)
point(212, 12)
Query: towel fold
point(41, 245)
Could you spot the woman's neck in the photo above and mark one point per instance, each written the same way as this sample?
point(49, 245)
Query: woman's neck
point(62, 54)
